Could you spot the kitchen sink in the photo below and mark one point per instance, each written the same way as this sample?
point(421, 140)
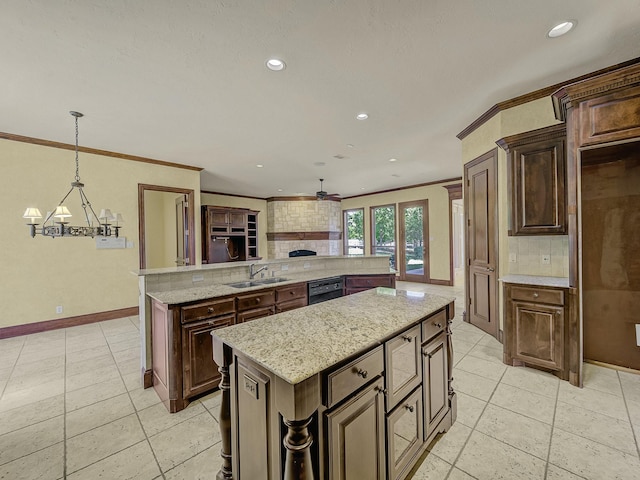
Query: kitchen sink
point(256, 283)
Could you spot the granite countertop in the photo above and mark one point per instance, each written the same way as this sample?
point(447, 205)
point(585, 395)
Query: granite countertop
point(192, 294)
point(298, 344)
point(536, 280)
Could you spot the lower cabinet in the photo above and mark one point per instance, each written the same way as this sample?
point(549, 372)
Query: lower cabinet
point(200, 372)
point(404, 434)
point(435, 369)
point(535, 330)
point(360, 283)
point(355, 434)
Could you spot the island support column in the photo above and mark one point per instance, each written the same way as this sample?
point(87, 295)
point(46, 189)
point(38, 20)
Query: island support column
point(297, 404)
point(222, 355)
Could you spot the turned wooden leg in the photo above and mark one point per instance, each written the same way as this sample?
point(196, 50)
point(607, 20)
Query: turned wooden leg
point(297, 441)
point(449, 358)
point(225, 424)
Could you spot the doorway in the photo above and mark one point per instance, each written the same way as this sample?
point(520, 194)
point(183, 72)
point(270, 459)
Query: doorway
point(610, 218)
point(413, 247)
point(165, 225)
point(480, 206)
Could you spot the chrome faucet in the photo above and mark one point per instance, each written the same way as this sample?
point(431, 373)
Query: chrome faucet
point(253, 273)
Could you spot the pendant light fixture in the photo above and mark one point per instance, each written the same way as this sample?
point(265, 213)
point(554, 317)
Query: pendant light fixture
point(56, 223)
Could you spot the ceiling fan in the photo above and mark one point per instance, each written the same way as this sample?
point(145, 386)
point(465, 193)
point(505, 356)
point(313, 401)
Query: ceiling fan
point(322, 195)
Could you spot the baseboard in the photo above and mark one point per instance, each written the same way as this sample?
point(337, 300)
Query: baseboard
point(446, 283)
point(147, 378)
point(45, 326)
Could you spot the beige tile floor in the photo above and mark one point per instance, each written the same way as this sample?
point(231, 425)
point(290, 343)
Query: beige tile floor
point(71, 406)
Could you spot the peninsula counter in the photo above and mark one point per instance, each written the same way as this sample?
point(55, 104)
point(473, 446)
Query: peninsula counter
point(355, 387)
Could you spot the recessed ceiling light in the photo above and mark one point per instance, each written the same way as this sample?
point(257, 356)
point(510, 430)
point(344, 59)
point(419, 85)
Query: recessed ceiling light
point(350, 145)
point(361, 188)
point(393, 159)
point(395, 175)
point(275, 64)
point(561, 28)
point(259, 165)
point(362, 116)
point(319, 164)
point(280, 190)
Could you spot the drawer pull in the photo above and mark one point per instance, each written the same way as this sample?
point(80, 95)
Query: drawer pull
point(210, 310)
point(409, 407)
point(427, 354)
point(407, 338)
point(257, 300)
point(211, 322)
point(381, 390)
point(439, 325)
point(535, 295)
point(362, 373)
point(291, 292)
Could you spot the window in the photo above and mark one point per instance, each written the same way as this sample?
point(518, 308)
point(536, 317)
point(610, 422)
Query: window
point(383, 232)
point(353, 228)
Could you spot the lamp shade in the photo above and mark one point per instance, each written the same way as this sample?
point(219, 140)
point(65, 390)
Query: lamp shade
point(117, 217)
point(62, 212)
point(105, 214)
point(32, 213)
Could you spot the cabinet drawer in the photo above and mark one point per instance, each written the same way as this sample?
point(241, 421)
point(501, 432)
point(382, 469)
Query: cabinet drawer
point(255, 313)
point(352, 376)
point(538, 295)
point(369, 281)
point(434, 325)
point(291, 305)
point(261, 299)
point(291, 292)
point(207, 309)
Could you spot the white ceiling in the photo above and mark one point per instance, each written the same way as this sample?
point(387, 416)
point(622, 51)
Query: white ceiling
point(185, 81)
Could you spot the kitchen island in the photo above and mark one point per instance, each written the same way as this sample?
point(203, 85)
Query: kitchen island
point(356, 387)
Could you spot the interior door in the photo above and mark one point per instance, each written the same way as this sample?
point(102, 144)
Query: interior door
point(182, 231)
point(413, 248)
point(482, 256)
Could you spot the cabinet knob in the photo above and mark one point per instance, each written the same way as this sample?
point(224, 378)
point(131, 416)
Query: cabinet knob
point(439, 325)
point(535, 295)
point(426, 354)
point(362, 373)
point(381, 390)
point(257, 300)
point(210, 310)
point(406, 338)
point(409, 407)
point(491, 269)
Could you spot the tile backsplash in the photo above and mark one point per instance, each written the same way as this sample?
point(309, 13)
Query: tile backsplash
point(529, 255)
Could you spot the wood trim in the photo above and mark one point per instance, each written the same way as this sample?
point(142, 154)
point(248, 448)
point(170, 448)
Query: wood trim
point(296, 236)
point(302, 199)
point(533, 136)
point(231, 195)
point(417, 185)
point(535, 95)
point(448, 283)
point(147, 378)
point(47, 325)
point(455, 193)
point(94, 151)
point(142, 187)
point(426, 250)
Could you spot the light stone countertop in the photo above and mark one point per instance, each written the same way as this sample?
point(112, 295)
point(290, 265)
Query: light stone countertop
point(184, 295)
point(562, 282)
point(298, 344)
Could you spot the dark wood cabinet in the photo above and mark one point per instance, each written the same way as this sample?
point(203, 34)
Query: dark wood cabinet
point(182, 351)
point(291, 297)
point(229, 234)
point(200, 372)
point(535, 330)
point(536, 171)
point(360, 283)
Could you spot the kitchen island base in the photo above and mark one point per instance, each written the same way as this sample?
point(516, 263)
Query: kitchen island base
point(370, 415)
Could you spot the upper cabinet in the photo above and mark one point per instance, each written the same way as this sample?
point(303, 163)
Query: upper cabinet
point(536, 171)
point(229, 234)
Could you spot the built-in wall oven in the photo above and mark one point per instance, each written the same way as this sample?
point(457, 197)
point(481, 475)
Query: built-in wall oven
point(325, 289)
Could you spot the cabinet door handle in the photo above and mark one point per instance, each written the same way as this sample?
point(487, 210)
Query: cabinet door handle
point(439, 325)
point(409, 407)
point(362, 373)
point(210, 310)
point(427, 354)
point(491, 269)
point(381, 390)
point(407, 338)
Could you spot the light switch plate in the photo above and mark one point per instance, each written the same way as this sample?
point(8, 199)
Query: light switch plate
point(513, 258)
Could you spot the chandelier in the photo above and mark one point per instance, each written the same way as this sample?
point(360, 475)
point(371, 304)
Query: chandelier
point(56, 222)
